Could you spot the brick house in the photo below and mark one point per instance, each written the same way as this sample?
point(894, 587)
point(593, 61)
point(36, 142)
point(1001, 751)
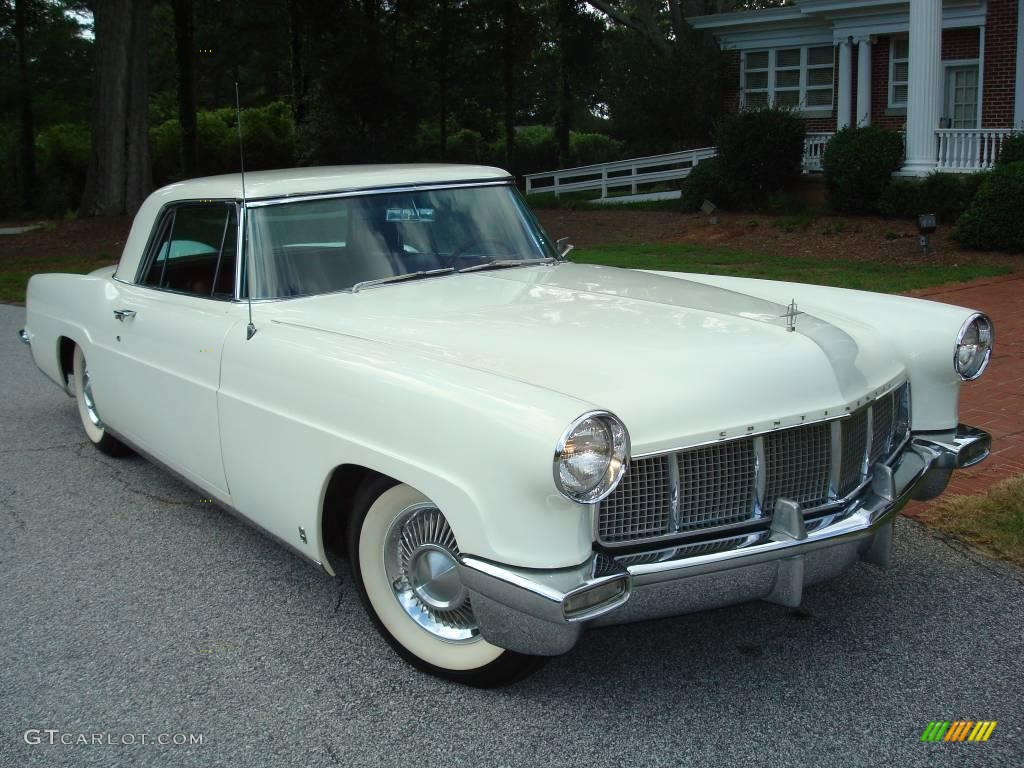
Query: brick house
point(949, 73)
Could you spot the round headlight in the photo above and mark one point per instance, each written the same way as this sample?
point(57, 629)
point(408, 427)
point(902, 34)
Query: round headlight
point(973, 347)
point(591, 457)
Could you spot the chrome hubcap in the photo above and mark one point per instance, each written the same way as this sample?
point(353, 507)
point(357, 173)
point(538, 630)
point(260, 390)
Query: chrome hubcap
point(90, 404)
point(421, 561)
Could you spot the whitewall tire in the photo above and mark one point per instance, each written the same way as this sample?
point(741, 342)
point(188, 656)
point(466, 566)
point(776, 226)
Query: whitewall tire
point(403, 555)
point(88, 411)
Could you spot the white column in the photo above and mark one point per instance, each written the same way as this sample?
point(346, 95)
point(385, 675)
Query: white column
point(924, 89)
point(845, 90)
point(864, 82)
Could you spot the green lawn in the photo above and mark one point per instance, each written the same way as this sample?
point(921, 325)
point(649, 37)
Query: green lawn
point(15, 272)
point(865, 275)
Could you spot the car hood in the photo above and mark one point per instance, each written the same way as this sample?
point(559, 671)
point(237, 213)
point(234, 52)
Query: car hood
point(679, 361)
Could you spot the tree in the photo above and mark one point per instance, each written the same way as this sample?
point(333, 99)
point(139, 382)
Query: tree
point(26, 131)
point(119, 175)
point(185, 55)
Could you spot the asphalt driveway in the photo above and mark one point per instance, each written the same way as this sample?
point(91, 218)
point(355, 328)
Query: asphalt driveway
point(130, 607)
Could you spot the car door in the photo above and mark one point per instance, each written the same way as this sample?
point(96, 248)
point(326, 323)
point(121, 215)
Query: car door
point(170, 326)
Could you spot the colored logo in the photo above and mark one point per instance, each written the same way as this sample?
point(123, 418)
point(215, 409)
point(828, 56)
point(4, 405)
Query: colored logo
point(959, 730)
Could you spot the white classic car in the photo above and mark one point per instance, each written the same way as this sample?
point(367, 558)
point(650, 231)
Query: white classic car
point(396, 365)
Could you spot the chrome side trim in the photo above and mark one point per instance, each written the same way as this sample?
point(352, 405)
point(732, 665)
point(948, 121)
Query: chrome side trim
point(24, 336)
point(220, 503)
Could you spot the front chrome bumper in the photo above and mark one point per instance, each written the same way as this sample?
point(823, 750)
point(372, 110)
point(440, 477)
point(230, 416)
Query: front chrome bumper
point(544, 612)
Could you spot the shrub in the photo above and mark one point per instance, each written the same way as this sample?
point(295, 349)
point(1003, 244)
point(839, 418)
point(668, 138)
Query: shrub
point(536, 149)
point(62, 161)
point(759, 152)
point(944, 194)
point(592, 148)
point(1012, 150)
point(993, 221)
point(268, 134)
point(705, 182)
point(858, 164)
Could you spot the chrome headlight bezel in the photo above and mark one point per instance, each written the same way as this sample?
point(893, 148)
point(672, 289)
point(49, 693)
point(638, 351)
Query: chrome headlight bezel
point(985, 327)
point(618, 460)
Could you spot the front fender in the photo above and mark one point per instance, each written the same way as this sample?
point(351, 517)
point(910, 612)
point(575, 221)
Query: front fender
point(295, 403)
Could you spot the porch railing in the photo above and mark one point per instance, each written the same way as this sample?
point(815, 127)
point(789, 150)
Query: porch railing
point(620, 174)
point(814, 150)
point(968, 149)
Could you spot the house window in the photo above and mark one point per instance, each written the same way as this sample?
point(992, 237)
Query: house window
point(798, 78)
point(899, 71)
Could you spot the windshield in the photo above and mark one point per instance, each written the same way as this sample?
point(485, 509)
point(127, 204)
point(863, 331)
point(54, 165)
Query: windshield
point(320, 246)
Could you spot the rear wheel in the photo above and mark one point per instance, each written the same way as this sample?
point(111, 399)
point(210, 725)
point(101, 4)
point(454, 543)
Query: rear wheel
point(89, 414)
point(404, 561)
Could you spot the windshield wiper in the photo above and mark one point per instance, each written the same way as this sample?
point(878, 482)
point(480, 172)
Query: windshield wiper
point(506, 263)
point(400, 278)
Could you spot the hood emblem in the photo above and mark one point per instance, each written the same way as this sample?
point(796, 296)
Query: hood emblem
point(790, 316)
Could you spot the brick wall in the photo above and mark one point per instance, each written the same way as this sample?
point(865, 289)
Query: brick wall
point(880, 86)
point(1000, 64)
point(732, 69)
point(960, 43)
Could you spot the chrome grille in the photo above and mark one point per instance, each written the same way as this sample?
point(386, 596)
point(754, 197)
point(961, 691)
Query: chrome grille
point(641, 506)
point(736, 481)
point(883, 421)
point(853, 457)
point(797, 465)
point(716, 485)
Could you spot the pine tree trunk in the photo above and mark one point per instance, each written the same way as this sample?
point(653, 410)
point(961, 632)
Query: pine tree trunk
point(563, 108)
point(119, 175)
point(26, 129)
point(298, 72)
point(508, 60)
point(185, 53)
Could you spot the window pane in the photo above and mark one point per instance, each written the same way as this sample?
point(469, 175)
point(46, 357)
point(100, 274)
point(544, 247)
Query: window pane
point(900, 72)
point(819, 76)
point(819, 97)
point(159, 246)
point(224, 285)
point(757, 60)
point(901, 48)
point(320, 246)
point(757, 80)
point(899, 94)
point(823, 55)
point(787, 98)
point(787, 78)
point(788, 58)
point(756, 99)
point(194, 248)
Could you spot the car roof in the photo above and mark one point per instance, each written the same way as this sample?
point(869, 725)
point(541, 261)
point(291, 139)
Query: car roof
point(292, 182)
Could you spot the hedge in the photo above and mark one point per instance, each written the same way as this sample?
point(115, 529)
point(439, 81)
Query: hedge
point(858, 164)
point(994, 220)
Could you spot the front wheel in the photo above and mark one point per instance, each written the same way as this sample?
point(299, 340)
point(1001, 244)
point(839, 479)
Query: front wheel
point(89, 414)
point(404, 562)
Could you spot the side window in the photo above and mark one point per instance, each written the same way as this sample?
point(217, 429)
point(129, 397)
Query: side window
point(194, 251)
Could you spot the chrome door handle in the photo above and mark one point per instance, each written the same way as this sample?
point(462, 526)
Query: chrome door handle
point(121, 314)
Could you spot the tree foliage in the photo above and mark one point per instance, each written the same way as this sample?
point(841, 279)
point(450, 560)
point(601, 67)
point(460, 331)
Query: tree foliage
point(491, 81)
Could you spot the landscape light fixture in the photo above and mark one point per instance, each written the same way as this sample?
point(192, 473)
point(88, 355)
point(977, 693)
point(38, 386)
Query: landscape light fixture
point(710, 209)
point(926, 224)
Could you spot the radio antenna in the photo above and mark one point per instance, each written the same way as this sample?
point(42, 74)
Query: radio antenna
point(250, 329)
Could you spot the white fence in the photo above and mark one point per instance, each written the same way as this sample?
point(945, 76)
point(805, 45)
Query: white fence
point(623, 173)
point(969, 149)
point(814, 150)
